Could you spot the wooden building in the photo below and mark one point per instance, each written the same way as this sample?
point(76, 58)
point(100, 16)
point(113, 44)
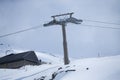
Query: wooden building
point(18, 60)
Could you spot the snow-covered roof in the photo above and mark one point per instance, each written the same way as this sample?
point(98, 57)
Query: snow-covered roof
point(29, 55)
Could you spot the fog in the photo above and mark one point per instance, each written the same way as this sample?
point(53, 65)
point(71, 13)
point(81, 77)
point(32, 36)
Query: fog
point(82, 41)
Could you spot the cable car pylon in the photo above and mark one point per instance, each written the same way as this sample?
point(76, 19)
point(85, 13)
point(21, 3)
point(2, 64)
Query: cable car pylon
point(63, 23)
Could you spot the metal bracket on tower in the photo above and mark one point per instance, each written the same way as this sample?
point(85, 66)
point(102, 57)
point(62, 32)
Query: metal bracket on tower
point(70, 19)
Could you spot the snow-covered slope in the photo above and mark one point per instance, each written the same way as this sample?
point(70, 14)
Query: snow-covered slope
point(49, 58)
point(104, 68)
point(107, 68)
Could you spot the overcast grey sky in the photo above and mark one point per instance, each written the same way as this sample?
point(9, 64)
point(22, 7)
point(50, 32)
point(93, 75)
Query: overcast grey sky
point(83, 41)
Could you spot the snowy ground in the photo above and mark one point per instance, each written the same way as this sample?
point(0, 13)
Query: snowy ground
point(104, 68)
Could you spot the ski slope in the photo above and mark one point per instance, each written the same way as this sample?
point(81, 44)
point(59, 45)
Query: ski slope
point(107, 68)
point(101, 68)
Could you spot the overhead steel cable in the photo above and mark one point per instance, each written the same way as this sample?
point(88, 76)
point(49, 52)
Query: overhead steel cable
point(20, 31)
point(100, 26)
point(36, 27)
point(101, 22)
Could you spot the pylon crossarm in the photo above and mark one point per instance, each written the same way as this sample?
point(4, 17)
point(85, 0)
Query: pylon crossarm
point(50, 23)
point(74, 20)
point(62, 15)
point(54, 23)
